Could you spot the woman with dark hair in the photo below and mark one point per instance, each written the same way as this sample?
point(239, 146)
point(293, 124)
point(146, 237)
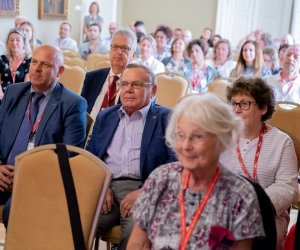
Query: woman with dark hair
point(263, 153)
point(199, 74)
point(177, 63)
point(92, 18)
point(162, 35)
point(222, 59)
point(14, 65)
point(250, 61)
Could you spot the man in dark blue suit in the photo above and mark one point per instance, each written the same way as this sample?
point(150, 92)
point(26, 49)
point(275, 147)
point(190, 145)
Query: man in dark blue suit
point(60, 115)
point(130, 139)
point(97, 82)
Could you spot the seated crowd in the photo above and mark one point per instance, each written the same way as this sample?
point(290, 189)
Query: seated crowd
point(198, 189)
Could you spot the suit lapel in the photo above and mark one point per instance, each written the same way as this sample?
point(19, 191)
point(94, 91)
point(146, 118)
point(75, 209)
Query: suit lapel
point(149, 129)
point(51, 106)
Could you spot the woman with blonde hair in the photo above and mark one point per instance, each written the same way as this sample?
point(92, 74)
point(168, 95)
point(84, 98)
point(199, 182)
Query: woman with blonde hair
point(14, 65)
point(29, 31)
point(250, 61)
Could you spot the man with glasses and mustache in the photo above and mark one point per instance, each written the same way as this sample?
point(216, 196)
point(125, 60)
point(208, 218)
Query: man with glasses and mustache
point(130, 139)
point(286, 84)
point(100, 89)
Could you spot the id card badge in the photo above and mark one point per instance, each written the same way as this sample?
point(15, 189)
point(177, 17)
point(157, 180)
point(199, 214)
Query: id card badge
point(30, 145)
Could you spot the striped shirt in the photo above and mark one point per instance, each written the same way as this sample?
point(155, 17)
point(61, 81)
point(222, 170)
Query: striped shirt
point(123, 153)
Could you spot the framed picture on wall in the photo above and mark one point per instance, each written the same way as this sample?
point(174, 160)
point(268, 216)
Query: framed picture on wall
point(9, 8)
point(53, 9)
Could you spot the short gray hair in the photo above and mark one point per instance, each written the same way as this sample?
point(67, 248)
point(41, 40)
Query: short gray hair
point(148, 71)
point(128, 34)
point(211, 114)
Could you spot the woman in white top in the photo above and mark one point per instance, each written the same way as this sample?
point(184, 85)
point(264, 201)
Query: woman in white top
point(263, 153)
point(147, 50)
point(222, 59)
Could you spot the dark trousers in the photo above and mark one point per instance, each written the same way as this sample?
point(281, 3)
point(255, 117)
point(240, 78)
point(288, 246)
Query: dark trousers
point(5, 199)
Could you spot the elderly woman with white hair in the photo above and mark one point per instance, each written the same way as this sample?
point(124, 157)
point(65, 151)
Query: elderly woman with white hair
point(147, 51)
point(196, 203)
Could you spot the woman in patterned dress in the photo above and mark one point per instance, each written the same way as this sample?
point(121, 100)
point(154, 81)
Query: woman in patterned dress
point(196, 203)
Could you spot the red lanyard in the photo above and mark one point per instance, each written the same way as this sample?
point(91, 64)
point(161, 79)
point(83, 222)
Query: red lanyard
point(258, 149)
point(186, 234)
point(197, 80)
point(36, 124)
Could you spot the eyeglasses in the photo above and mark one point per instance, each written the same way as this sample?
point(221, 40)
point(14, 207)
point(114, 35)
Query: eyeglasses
point(123, 48)
point(243, 105)
point(134, 84)
point(197, 138)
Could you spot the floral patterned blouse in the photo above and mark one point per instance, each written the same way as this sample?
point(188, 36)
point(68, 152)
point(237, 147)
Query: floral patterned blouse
point(232, 208)
point(5, 73)
point(200, 78)
point(175, 67)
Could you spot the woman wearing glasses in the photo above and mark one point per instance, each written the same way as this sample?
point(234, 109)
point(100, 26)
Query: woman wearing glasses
point(263, 153)
point(196, 203)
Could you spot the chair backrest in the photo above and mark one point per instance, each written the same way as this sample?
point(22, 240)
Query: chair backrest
point(286, 118)
point(218, 87)
point(39, 216)
point(73, 78)
point(75, 61)
point(102, 64)
point(93, 58)
point(70, 53)
point(170, 88)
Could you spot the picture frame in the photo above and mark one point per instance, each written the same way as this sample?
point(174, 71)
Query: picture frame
point(53, 9)
point(9, 8)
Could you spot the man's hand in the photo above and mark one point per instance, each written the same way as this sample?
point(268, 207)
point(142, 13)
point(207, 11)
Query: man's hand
point(108, 203)
point(127, 203)
point(6, 177)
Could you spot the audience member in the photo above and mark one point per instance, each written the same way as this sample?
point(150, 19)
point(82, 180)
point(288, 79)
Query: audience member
point(64, 41)
point(92, 18)
point(162, 35)
point(222, 59)
point(271, 60)
point(250, 61)
point(187, 36)
point(29, 31)
point(112, 29)
point(38, 112)
point(19, 20)
point(287, 39)
point(99, 87)
point(14, 65)
point(147, 50)
point(252, 36)
point(177, 63)
point(129, 138)
point(178, 33)
point(199, 74)
point(281, 52)
point(286, 84)
point(206, 35)
point(265, 40)
point(94, 43)
point(216, 38)
point(2, 48)
point(139, 26)
point(263, 153)
point(196, 203)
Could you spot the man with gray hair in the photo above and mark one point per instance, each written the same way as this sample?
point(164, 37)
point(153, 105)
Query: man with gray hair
point(36, 113)
point(286, 84)
point(99, 87)
point(130, 139)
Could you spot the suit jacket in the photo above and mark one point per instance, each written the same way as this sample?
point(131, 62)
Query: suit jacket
point(92, 86)
point(154, 151)
point(63, 120)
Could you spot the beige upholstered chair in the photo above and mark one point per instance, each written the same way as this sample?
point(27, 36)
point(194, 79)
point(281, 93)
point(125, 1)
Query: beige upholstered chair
point(70, 53)
point(73, 78)
point(102, 64)
point(170, 88)
point(75, 61)
point(39, 215)
point(218, 87)
point(94, 58)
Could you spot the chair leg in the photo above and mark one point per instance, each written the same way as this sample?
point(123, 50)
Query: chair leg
point(107, 245)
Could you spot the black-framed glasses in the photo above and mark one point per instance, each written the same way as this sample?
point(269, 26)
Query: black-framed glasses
point(123, 48)
point(243, 105)
point(134, 84)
